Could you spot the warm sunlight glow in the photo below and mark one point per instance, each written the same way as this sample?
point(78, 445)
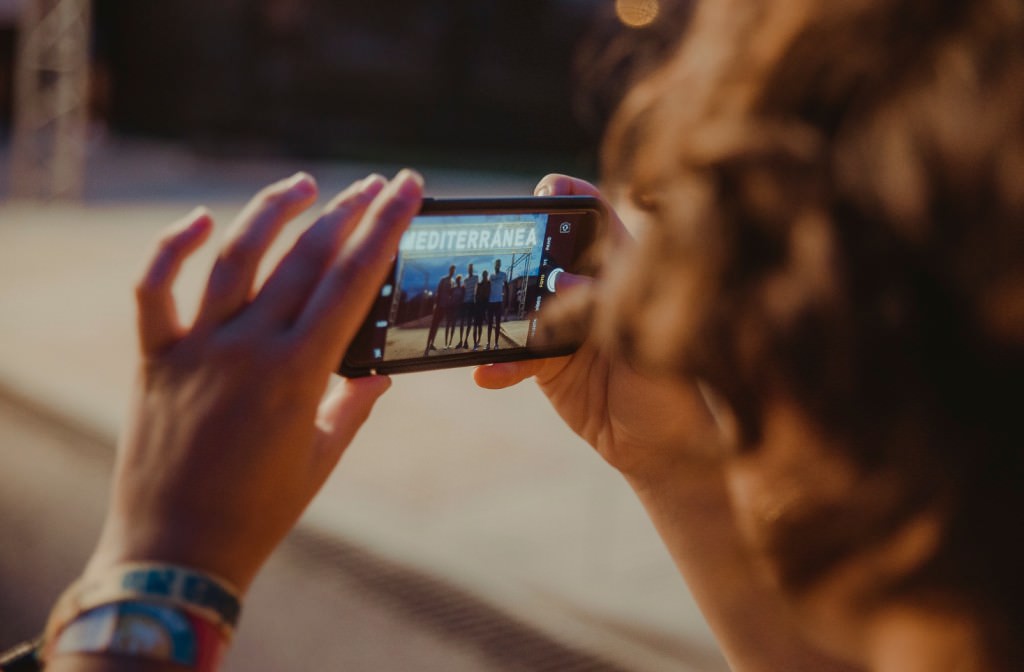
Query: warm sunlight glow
point(637, 13)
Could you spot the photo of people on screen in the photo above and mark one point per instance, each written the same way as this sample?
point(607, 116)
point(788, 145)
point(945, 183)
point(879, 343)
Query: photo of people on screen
point(437, 310)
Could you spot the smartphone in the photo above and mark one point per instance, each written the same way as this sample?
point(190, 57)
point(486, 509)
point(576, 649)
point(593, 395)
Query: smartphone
point(471, 281)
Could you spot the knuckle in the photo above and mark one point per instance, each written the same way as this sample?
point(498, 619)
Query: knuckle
point(238, 349)
point(345, 278)
point(167, 242)
point(345, 211)
point(356, 266)
point(342, 201)
point(315, 242)
point(150, 281)
point(168, 247)
point(290, 353)
point(153, 279)
point(146, 288)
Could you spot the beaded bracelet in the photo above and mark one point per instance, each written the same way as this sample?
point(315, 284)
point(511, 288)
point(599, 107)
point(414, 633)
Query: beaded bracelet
point(154, 631)
point(205, 595)
point(22, 657)
point(156, 611)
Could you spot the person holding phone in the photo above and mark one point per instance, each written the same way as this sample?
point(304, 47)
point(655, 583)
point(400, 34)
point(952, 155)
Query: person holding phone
point(803, 364)
point(803, 367)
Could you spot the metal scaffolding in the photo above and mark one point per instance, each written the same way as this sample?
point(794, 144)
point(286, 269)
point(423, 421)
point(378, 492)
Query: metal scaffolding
point(520, 261)
point(51, 99)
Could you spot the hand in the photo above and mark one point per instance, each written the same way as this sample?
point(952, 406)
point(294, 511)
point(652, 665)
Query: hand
point(661, 436)
point(228, 439)
point(646, 428)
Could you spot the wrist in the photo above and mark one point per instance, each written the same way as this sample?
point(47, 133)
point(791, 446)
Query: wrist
point(205, 595)
point(682, 475)
point(692, 498)
point(118, 546)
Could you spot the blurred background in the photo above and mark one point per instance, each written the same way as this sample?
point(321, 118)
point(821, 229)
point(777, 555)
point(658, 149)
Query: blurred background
point(466, 529)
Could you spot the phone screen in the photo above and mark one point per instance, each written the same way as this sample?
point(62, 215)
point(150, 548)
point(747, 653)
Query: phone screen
point(470, 283)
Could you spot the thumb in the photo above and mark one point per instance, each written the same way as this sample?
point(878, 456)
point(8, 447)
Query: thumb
point(565, 281)
point(506, 374)
point(342, 412)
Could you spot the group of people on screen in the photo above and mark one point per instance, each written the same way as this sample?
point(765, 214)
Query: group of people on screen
point(467, 303)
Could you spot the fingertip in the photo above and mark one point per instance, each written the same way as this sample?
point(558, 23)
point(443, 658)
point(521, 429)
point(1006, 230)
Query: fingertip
point(373, 184)
point(498, 376)
point(482, 376)
point(358, 194)
point(372, 386)
point(303, 183)
point(409, 174)
point(197, 218)
point(197, 214)
point(202, 223)
point(396, 205)
point(556, 184)
point(408, 184)
point(547, 185)
point(295, 193)
point(568, 281)
point(381, 384)
point(182, 237)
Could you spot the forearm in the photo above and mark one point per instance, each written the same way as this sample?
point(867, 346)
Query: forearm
point(749, 619)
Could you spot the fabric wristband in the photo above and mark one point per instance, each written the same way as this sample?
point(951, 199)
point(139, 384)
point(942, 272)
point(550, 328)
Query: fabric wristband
point(155, 631)
point(199, 593)
point(23, 657)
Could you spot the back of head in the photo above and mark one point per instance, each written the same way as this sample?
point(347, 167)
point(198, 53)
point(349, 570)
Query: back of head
point(836, 191)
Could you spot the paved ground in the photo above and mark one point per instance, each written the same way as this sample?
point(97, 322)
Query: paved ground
point(456, 514)
point(405, 343)
point(319, 603)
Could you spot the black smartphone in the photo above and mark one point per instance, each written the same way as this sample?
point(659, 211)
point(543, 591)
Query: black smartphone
point(470, 283)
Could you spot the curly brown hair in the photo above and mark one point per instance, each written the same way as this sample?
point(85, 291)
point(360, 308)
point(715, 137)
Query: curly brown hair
point(837, 198)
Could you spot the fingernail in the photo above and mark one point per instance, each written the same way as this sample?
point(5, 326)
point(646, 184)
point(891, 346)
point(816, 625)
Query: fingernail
point(543, 190)
point(409, 183)
point(197, 212)
point(198, 215)
point(302, 182)
point(373, 184)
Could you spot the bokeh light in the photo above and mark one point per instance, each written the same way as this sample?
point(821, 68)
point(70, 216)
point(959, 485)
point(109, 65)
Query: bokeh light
point(637, 13)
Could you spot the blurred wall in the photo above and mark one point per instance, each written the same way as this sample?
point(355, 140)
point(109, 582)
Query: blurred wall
point(8, 22)
point(321, 77)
